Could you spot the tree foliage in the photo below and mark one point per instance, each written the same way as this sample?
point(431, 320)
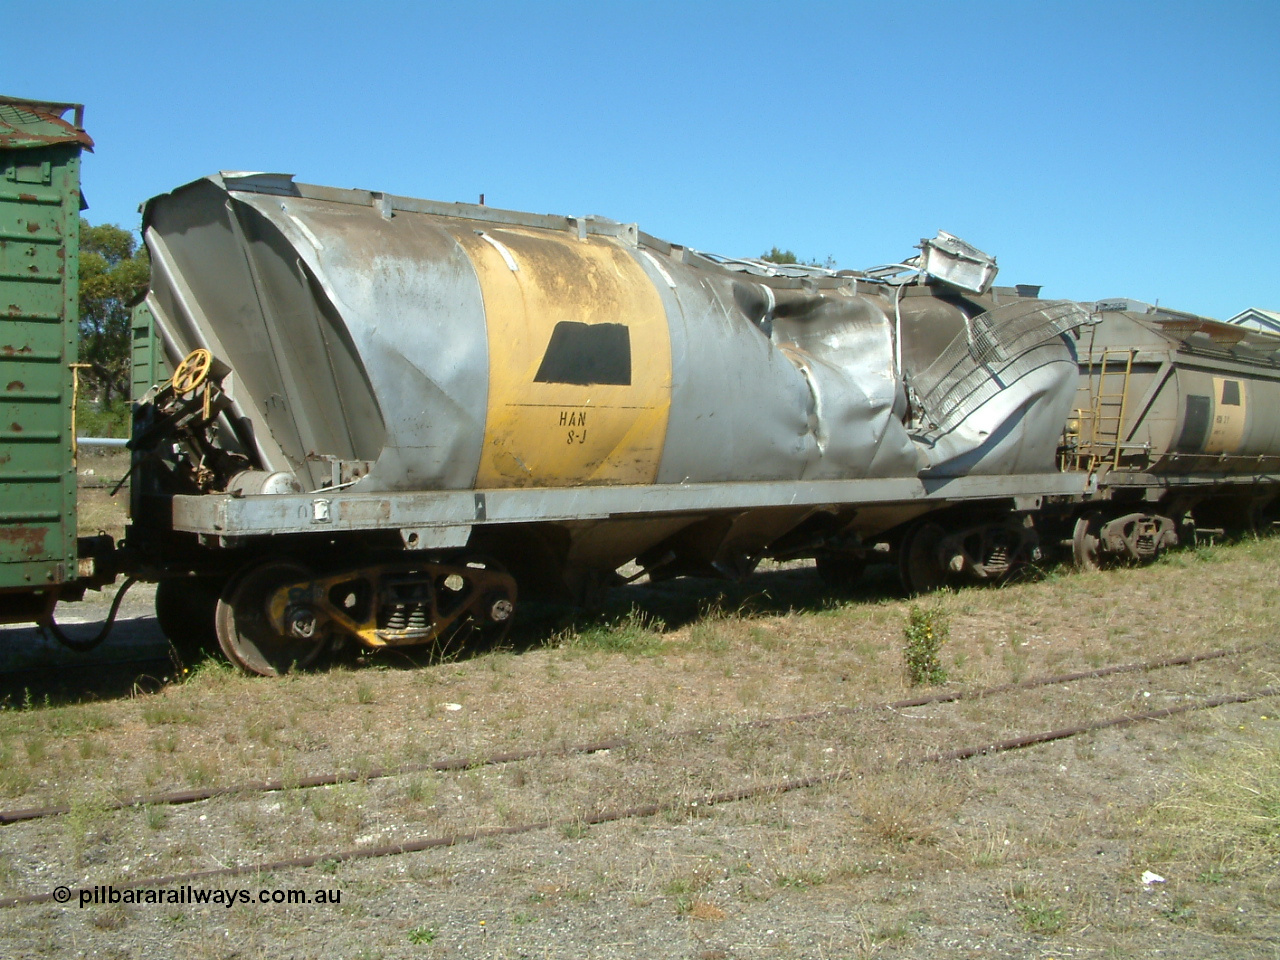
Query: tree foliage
point(114, 273)
point(787, 256)
point(779, 256)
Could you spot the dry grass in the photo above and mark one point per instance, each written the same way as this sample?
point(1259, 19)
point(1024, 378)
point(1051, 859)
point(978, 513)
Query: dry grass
point(1224, 814)
point(908, 807)
point(920, 851)
point(630, 673)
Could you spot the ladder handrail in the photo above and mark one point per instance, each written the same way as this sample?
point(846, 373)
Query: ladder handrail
point(1121, 368)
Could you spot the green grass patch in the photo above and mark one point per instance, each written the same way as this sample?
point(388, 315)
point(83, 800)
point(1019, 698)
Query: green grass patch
point(636, 632)
point(1036, 912)
point(422, 935)
point(800, 879)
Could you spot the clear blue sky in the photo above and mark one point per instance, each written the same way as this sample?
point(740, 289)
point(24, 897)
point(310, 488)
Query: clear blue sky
point(1100, 149)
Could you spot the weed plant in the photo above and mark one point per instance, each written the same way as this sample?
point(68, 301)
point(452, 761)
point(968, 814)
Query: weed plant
point(925, 633)
point(422, 935)
point(1037, 913)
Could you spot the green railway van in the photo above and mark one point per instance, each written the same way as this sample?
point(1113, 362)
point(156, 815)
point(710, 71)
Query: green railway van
point(39, 290)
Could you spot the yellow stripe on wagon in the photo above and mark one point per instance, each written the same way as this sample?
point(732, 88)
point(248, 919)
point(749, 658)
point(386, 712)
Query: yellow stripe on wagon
point(579, 361)
point(1230, 407)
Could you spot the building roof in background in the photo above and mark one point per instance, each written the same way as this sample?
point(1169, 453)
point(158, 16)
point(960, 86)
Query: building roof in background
point(1265, 320)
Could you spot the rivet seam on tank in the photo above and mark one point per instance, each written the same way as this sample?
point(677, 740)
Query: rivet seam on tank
point(498, 245)
point(658, 266)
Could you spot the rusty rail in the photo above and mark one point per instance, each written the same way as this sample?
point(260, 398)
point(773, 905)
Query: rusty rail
point(965, 753)
point(175, 797)
point(775, 788)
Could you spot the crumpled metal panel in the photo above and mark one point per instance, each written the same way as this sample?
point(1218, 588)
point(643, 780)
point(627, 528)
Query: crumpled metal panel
point(739, 406)
point(325, 337)
point(228, 280)
point(989, 402)
point(958, 263)
point(775, 384)
point(843, 344)
point(453, 347)
point(393, 283)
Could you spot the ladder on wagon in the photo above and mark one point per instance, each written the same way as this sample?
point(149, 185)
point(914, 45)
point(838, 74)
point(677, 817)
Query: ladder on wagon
point(1108, 405)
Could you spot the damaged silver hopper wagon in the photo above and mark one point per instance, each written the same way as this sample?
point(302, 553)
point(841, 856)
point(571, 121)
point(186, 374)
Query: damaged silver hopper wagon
point(406, 407)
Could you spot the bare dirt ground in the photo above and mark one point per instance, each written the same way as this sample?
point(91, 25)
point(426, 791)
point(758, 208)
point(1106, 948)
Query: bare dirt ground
point(1038, 852)
point(100, 471)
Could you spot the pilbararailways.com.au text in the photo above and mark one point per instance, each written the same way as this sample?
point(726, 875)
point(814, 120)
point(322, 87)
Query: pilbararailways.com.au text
point(196, 896)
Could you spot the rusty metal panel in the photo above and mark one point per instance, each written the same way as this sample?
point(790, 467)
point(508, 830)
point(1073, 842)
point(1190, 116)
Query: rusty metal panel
point(39, 288)
point(32, 124)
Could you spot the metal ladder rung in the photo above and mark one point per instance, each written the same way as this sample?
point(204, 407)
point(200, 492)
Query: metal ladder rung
point(1114, 364)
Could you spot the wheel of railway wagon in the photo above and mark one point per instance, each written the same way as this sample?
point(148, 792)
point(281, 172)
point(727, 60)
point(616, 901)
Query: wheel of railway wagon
point(491, 615)
point(244, 628)
point(1086, 553)
point(919, 565)
point(186, 610)
point(839, 569)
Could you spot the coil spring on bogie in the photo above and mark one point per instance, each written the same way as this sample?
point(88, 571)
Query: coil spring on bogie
point(997, 560)
point(407, 616)
point(406, 605)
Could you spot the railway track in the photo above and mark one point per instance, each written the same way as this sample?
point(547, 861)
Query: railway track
point(173, 797)
point(601, 812)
